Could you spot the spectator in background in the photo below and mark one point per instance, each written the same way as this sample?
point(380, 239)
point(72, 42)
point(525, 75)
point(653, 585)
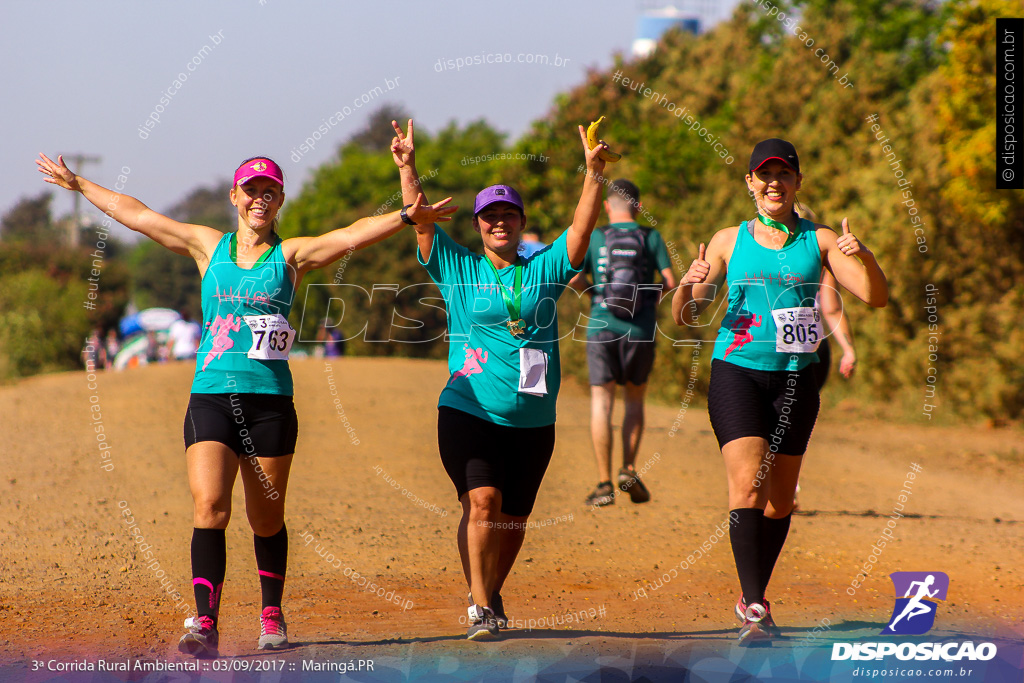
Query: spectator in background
point(183, 337)
point(330, 337)
point(113, 347)
point(529, 243)
point(93, 354)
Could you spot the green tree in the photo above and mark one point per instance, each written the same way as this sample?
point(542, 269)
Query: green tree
point(29, 221)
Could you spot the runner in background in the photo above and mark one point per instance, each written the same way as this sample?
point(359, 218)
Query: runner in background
point(241, 416)
point(622, 260)
point(496, 414)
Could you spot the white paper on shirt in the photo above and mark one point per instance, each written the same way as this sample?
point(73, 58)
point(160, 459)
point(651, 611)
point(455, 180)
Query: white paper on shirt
point(272, 336)
point(533, 372)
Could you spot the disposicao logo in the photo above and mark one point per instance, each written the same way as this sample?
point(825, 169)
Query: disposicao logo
point(914, 613)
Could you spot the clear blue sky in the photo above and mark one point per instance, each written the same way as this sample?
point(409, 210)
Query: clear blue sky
point(83, 77)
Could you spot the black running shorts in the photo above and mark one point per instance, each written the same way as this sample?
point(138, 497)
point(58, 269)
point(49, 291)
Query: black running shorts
point(478, 453)
point(780, 406)
point(260, 425)
point(620, 360)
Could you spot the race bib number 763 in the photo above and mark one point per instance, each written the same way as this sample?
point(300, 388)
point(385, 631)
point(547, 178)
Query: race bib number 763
point(272, 336)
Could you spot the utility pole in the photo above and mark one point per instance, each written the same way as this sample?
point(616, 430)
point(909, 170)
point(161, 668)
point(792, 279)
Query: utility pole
point(77, 161)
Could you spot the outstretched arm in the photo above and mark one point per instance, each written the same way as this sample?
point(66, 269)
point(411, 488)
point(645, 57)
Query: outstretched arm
point(316, 252)
point(861, 275)
point(589, 207)
point(181, 238)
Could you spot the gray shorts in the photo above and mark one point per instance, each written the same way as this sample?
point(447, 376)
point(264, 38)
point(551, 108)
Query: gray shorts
point(618, 360)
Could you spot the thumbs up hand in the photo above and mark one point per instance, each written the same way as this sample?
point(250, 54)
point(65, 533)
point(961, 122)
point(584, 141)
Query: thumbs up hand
point(699, 269)
point(848, 242)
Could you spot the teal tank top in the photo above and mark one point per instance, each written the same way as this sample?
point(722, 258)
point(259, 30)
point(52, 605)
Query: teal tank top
point(229, 294)
point(762, 282)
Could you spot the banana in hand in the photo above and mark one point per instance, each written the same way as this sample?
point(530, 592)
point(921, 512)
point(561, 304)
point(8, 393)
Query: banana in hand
point(593, 141)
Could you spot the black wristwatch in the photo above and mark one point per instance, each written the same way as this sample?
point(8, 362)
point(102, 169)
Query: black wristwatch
point(405, 216)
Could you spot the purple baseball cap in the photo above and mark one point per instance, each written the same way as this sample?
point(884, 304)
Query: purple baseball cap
point(497, 193)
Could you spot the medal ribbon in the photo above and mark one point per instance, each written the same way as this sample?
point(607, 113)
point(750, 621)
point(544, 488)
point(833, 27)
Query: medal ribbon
point(514, 302)
point(778, 225)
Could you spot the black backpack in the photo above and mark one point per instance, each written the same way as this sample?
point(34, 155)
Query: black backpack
point(625, 272)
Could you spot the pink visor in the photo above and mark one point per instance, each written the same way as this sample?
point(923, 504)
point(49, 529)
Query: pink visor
point(258, 168)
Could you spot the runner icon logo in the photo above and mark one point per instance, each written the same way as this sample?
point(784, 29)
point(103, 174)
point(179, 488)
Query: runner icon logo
point(914, 613)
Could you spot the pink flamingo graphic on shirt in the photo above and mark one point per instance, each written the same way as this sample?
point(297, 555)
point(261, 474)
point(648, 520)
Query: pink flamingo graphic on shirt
point(221, 328)
point(471, 366)
point(741, 330)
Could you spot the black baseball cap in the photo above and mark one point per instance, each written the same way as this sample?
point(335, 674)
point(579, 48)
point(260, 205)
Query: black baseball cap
point(774, 148)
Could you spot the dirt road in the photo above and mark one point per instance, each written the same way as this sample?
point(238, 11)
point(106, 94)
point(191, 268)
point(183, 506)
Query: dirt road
point(368, 497)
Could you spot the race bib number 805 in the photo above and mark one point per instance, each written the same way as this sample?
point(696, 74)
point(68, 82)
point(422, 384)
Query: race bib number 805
point(272, 336)
point(798, 330)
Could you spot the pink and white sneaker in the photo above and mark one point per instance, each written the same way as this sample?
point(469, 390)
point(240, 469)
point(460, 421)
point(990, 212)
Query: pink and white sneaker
point(273, 630)
point(202, 638)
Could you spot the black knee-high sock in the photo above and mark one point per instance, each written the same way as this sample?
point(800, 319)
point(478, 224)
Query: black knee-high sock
point(272, 562)
point(209, 560)
point(773, 537)
point(744, 534)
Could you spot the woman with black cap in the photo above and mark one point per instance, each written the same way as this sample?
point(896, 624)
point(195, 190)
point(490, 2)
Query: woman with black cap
point(240, 416)
point(496, 414)
point(763, 399)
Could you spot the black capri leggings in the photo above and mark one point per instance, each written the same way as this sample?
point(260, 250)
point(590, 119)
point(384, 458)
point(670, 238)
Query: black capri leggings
point(478, 453)
point(778, 406)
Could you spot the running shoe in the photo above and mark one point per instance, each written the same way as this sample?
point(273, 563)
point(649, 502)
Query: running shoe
point(202, 638)
point(603, 495)
point(741, 609)
point(482, 624)
point(273, 630)
point(498, 607)
point(767, 622)
point(753, 630)
point(631, 484)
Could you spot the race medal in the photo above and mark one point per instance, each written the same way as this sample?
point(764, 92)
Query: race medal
point(516, 326)
point(798, 330)
point(272, 336)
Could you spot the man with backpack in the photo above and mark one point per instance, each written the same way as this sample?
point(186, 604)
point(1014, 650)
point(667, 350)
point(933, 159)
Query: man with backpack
point(621, 262)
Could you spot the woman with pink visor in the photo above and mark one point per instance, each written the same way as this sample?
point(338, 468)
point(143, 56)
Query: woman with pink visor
point(240, 416)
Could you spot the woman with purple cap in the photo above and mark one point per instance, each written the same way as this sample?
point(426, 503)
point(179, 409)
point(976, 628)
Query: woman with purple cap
point(496, 414)
point(240, 415)
point(763, 398)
